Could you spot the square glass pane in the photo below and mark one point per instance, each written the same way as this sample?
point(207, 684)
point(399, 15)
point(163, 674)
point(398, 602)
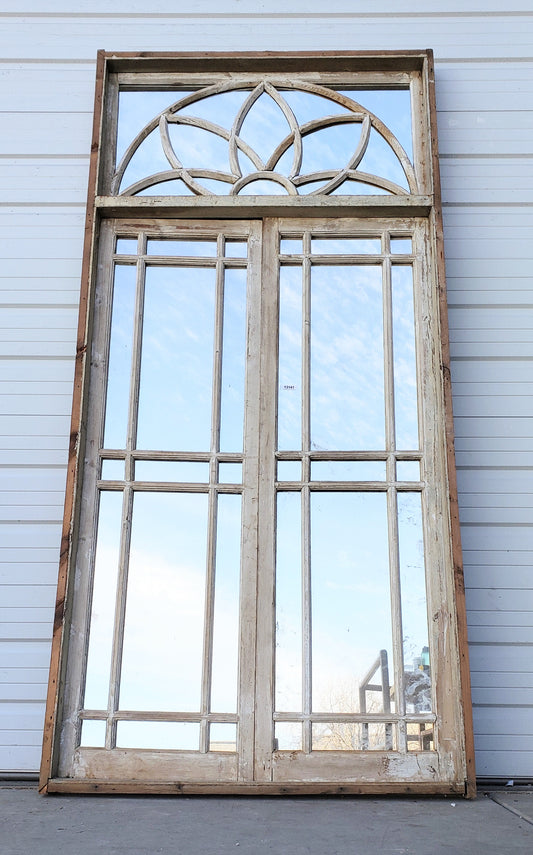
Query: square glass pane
point(172, 471)
point(126, 246)
point(159, 735)
point(93, 734)
point(288, 735)
point(222, 737)
point(230, 473)
point(289, 470)
point(291, 246)
point(420, 736)
point(112, 470)
point(401, 245)
point(348, 470)
point(236, 249)
point(408, 470)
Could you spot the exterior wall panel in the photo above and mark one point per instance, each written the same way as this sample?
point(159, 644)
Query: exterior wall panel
point(484, 71)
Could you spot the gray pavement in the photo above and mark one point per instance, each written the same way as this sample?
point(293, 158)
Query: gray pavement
point(496, 822)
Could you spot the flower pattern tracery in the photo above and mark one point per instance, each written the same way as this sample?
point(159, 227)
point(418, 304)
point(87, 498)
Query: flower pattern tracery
point(269, 169)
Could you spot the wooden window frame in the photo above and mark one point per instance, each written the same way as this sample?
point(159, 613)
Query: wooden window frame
point(386, 67)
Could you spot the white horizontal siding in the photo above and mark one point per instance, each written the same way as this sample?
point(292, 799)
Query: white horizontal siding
point(484, 72)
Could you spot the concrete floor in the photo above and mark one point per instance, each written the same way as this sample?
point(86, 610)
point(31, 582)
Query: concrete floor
point(499, 822)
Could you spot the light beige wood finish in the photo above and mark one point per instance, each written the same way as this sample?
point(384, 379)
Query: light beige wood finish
point(255, 766)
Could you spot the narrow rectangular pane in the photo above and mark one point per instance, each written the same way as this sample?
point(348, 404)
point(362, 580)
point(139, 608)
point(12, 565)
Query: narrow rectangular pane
point(405, 385)
point(414, 606)
point(233, 361)
point(226, 614)
point(288, 735)
point(102, 619)
point(288, 603)
point(347, 385)
point(348, 470)
point(187, 248)
point(126, 246)
point(351, 619)
point(291, 246)
point(120, 351)
point(112, 470)
point(164, 628)
point(290, 359)
point(346, 246)
point(177, 359)
point(172, 471)
point(408, 470)
point(93, 734)
point(354, 736)
point(159, 735)
point(289, 470)
point(230, 473)
point(222, 737)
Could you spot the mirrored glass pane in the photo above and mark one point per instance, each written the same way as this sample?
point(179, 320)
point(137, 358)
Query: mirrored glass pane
point(113, 470)
point(236, 248)
point(354, 736)
point(289, 470)
point(417, 666)
point(120, 351)
point(93, 734)
point(420, 736)
point(346, 246)
point(401, 245)
point(408, 470)
point(289, 603)
point(103, 601)
point(126, 246)
point(403, 331)
point(164, 735)
point(164, 627)
point(291, 246)
point(222, 737)
point(290, 359)
point(288, 736)
point(350, 600)
point(187, 248)
point(226, 614)
point(347, 391)
point(230, 473)
point(348, 470)
point(177, 359)
point(233, 361)
point(172, 471)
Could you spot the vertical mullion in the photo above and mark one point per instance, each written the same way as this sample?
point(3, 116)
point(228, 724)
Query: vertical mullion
point(209, 608)
point(127, 503)
point(262, 511)
point(392, 504)
point(307, 646)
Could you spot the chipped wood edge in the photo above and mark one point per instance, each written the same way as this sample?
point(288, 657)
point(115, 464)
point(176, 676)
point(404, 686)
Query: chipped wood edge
point(69, 518)
point(457, 555)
